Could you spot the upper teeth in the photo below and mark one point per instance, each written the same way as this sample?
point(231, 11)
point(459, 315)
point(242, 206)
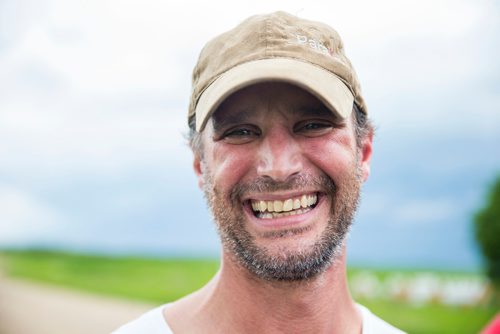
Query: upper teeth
point(290, 204)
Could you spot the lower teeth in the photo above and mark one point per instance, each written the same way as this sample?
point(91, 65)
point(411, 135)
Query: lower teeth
point(271, 215)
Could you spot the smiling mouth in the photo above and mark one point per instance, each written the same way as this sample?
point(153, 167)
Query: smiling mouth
point(289, 207)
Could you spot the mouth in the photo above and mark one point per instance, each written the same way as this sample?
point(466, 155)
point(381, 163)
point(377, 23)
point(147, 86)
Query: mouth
point(271, 209)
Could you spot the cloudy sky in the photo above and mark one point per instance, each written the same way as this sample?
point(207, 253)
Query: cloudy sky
point(93, 98)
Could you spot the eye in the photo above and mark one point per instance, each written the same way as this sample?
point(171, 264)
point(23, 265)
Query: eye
point(241, 134)
point(313, 127)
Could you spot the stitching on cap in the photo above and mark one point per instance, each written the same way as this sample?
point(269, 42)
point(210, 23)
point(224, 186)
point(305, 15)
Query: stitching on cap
point(267, 25)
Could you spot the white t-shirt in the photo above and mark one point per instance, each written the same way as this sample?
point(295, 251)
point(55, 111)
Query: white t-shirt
point(153, 322)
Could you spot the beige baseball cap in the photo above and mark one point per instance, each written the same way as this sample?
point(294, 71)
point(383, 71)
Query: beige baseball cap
point(275, 47)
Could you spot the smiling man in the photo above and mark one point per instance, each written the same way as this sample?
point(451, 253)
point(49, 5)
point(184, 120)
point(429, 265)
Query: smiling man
point(282, 144)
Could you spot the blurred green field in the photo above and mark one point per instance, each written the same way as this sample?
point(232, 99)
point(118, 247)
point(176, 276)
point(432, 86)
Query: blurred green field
point(143, 279)
point(163, 280)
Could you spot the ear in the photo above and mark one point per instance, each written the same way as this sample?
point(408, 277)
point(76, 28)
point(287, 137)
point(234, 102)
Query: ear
point(198, 169)
point(366, 155)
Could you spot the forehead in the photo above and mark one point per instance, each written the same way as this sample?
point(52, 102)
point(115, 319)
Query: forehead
point(261, 99)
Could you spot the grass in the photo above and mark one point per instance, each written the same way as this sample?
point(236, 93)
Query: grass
point(144, 279)
point(163, 280)
point(431, 318)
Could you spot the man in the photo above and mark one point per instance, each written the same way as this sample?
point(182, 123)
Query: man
point(281, 144)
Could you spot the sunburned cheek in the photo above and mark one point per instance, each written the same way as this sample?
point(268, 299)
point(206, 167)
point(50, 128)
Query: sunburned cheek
point(230, 167)
point(332, 158)
point(335, 160)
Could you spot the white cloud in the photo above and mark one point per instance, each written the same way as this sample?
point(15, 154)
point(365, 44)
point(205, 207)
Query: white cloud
point(24, 218)
point(92, 141)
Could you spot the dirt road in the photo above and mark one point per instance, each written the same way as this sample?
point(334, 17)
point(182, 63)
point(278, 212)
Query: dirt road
point(32, 308)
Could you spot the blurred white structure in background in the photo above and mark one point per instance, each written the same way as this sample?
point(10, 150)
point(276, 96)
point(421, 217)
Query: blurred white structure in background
point(420, 288)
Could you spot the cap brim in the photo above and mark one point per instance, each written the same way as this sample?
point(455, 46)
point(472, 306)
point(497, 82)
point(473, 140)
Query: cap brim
point(323, 84)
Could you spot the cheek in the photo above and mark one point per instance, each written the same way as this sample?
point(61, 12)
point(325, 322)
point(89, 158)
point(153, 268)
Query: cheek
point(334, 158)
point(229, 167)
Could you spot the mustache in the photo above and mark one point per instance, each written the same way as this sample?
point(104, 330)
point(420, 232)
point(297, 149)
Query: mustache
point(322, 183)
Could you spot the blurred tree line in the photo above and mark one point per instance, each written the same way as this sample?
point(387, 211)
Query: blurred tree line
point(487, 228)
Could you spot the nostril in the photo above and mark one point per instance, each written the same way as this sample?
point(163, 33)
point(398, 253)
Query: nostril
point(279, 170)
point(280, 166)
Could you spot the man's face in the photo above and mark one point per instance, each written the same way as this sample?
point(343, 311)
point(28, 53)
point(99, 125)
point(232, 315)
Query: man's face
point(282, 175)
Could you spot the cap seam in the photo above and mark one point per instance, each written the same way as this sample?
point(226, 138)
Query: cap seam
point(267, 24)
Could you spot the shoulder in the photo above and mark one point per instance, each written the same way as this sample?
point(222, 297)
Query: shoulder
point(151, 322)
point(374, 325)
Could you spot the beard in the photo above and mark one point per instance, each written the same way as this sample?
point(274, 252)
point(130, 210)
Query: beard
point(303, 263)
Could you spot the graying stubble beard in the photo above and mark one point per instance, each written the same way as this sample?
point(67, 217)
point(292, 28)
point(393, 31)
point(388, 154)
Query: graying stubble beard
point(289, 266)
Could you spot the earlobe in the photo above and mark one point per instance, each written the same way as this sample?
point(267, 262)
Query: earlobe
point(198, 170)
point(366, 155)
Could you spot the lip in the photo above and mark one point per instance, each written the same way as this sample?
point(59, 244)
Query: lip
point(283, 222)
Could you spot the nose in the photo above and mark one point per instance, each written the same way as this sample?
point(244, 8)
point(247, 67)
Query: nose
point(279, 155)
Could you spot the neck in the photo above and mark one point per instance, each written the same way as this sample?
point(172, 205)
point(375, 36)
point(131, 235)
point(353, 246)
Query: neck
point(244, 303)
